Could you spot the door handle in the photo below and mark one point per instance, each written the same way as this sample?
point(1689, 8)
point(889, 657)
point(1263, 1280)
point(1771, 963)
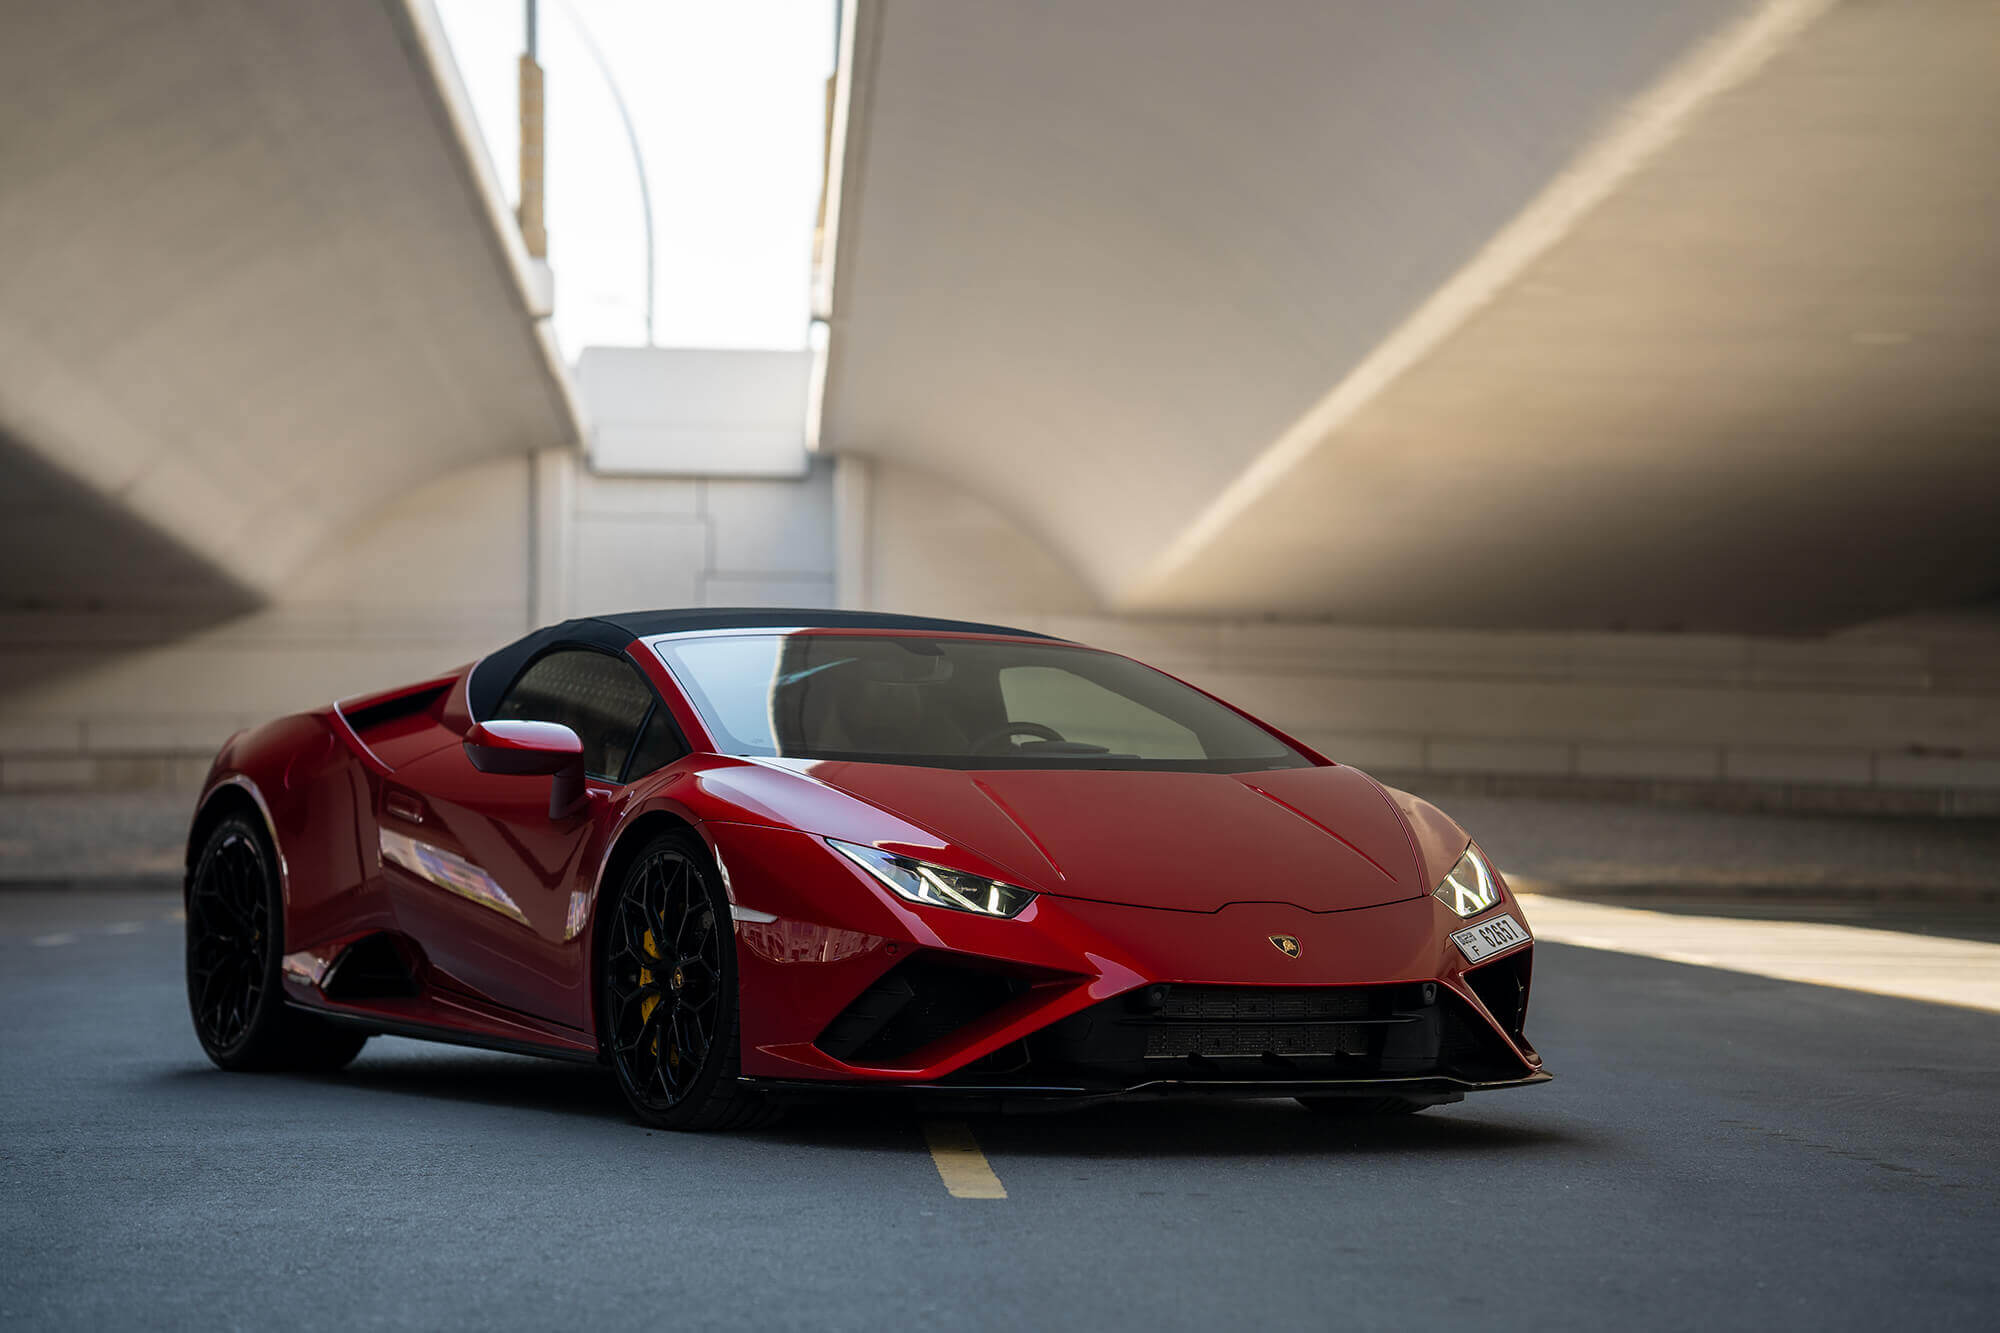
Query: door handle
point(403, 806)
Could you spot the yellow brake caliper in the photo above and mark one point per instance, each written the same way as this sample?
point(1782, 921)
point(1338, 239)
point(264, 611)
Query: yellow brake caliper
point(650, 1002)
point(647, 1003)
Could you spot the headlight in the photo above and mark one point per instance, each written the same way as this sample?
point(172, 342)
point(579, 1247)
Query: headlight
point(935, 886)
point(1469, 888)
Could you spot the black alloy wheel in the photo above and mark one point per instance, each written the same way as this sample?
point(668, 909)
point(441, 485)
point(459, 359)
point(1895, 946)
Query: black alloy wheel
point(229, 951)
point(235, 941)
point(668, 998)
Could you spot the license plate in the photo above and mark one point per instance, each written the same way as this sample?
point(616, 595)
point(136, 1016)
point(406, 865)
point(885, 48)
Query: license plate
point(1480, 942)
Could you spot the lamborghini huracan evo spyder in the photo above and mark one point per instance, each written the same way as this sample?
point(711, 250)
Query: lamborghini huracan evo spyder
point(745, 857)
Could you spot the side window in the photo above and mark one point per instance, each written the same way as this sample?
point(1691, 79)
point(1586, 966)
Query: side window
point(659, 745)
point(602, 698)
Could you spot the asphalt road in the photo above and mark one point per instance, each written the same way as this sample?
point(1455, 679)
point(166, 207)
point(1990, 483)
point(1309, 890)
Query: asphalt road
point(1718, 1150)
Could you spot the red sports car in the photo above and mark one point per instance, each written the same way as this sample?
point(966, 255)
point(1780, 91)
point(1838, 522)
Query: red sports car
point(744, 857)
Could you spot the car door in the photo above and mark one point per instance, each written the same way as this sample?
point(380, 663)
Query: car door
point(489, 885)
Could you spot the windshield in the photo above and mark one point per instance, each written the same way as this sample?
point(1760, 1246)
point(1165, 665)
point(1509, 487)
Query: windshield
point(958, 703)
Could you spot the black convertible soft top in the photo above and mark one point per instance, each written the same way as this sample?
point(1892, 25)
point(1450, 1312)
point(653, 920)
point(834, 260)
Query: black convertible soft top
point(640, 624)
point(496, 671)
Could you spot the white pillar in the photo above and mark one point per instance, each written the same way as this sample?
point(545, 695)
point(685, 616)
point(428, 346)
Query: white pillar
point(853, 582)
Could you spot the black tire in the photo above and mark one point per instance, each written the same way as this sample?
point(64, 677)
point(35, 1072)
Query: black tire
point(667, 992)
point(1351, 1108)
point(235, 943)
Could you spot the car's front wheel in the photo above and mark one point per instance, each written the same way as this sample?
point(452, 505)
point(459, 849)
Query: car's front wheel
point(667, 997)
point(235, 941)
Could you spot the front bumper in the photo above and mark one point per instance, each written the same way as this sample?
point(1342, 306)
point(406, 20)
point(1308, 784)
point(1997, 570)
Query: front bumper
point(1078, 1000)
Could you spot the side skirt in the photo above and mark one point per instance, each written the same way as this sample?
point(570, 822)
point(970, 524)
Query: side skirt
point(377, 1025)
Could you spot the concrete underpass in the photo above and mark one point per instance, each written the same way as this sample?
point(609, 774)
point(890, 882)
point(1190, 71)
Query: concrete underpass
point(1583, 416)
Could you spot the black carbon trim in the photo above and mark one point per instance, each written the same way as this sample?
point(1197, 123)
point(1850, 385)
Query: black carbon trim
point(378, 1026)
point(1028, 1095)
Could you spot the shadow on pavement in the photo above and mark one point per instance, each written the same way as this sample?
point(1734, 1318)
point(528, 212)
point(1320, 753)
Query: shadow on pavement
point(516, 1082)
point(1259, 1128)
point(1266, 1129)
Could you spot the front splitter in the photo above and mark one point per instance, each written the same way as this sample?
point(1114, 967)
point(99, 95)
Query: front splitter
point(1430, 1089)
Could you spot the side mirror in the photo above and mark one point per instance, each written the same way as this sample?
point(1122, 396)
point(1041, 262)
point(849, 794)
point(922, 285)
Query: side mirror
point(531, 749)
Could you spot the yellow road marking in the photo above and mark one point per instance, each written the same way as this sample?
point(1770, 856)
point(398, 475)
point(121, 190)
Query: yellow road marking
point(1880, 962)
point(960, 1164)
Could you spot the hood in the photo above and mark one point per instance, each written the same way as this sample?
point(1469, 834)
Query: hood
point(1323, 839)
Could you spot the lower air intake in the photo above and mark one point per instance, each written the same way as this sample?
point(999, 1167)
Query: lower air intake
point(915, 1003)
point(1222, 1041)
point(1276, 1034)
point(1502, 987)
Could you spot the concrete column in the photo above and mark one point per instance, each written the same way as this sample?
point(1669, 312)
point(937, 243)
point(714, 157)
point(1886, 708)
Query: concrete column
point(551, 517)
point(852, 582)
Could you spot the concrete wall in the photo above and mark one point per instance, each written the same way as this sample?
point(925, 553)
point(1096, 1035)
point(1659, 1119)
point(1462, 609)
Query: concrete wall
point(646, 542)
point(1896, 716)
point(256, 279)
point(448, 572)
point(696, 411)
point(1902, 716)
point(912, 541)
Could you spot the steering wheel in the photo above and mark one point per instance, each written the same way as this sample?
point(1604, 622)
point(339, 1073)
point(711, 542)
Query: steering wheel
point(1013, 729)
